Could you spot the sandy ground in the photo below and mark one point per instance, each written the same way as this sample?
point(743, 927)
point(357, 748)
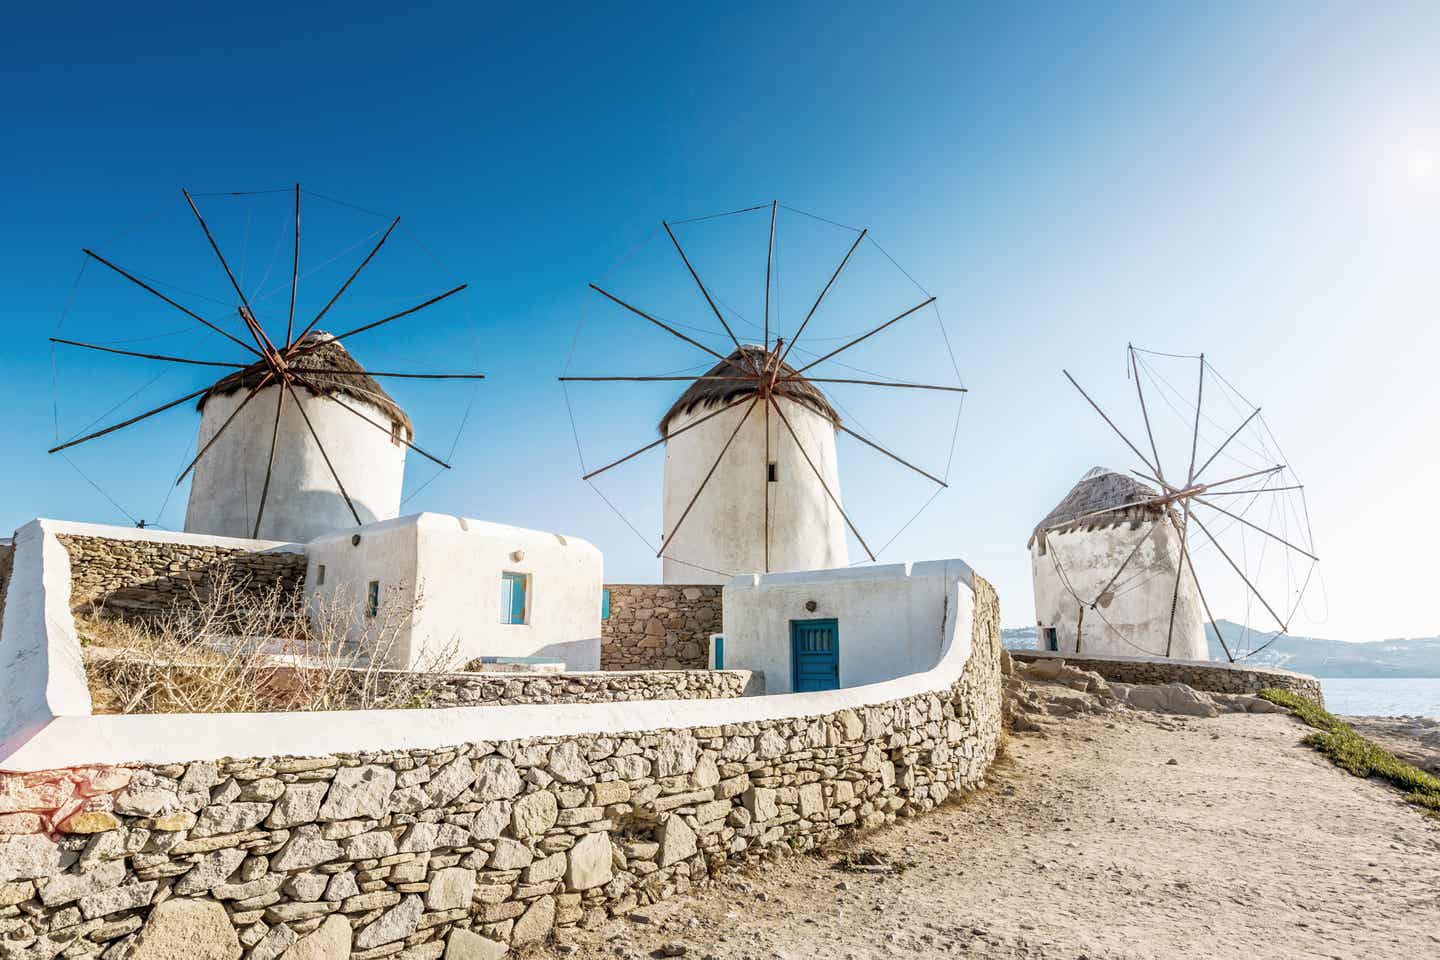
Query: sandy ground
point(1129, 835)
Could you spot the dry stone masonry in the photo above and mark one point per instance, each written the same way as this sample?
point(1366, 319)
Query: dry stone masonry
point(473, 689)
point(655, 627)
point(466, 851)
point(1206, 675)
point(123, 578)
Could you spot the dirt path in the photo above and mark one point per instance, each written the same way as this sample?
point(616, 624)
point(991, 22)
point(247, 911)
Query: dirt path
point(1128, 836)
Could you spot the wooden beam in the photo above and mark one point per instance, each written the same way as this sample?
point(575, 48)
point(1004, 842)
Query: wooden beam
point(708, 299)
point(816, 470)
point(704, 483)
point(261, 340)
point(900, 460)
point(317, 391)
point(816, 305)
point(1133, 449)
point(769, 258)
point(877, 383)
point(264, 382)
point(325, 456)
point(650, 446)
point(148, 356)
point(396, 316)
point(270, 463)
point(865, 336)
point(125, 423)
point(294, 277)
point(346, 285)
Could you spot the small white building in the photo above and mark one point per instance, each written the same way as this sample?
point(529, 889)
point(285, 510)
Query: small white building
point(1082, 606)
point(303, 501)
point(827, 629)
point(461, 589)
point(725, 531)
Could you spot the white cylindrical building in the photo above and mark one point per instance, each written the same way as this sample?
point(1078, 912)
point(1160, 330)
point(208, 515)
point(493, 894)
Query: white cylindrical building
point(1076, 552)
point(304, 500)
point(726, 530)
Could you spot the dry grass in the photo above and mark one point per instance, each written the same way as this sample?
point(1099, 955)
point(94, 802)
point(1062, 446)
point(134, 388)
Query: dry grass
point(232, 652)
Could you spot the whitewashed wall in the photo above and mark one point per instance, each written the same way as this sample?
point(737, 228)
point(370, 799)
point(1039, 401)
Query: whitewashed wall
point(1136, 622)
point(456, 565)
point(891, 619)
point(303, 502)
point(725, 530)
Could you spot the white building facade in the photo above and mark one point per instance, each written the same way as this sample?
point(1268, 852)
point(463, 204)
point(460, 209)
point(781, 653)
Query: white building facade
point(1097, 592)
point(303, 500)
point(764, 509)
point(447, 590)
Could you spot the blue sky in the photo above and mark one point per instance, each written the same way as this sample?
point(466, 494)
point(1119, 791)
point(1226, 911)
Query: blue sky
point(1262, 184)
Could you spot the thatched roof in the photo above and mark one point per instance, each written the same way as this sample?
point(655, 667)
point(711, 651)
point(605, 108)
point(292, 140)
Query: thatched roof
point(330, 355)
point(1099, 490)
point(717, 393)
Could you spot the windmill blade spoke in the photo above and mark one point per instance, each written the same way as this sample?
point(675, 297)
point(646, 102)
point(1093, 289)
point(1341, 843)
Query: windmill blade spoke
point(675, 433)
point(261, 340)
point(1133, 449)
point(408, 376)
point(1199, 406)
point(1257, 528)
point(270, 463)
point(1246, 476)
point(1240, 573)
point(706, 482)
point(294, 282)
point(403, 313)
point(769, 259)
point(767, 435)
point(346, 285)
point(750, 378)
point(1179, 572)
point(816, 470)
point(880, 383)
point(666, 327)
point(713, 309)
point(900, 460)
point(325, 456)
point(1134, 552)
point(1220, 449)
point(125, 423)
point(317, 391)
point(1246, 493)
point(1144, 410)
point(147, 356)
point(1219, 635)
point(254, 391)
point(183, 309)
point(864, 336)
point(816, 306)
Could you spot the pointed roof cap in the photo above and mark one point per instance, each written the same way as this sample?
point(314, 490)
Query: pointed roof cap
point(718, 392)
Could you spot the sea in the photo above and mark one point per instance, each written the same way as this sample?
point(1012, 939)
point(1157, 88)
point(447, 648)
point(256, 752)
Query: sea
point(1383, 696)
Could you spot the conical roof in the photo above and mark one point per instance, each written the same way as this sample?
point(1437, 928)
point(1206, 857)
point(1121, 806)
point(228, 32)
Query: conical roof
point(1102, 498)
point(328, 356)
point(718, 392)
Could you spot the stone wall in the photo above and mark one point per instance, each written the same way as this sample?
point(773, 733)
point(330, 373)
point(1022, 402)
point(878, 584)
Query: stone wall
point(659, 626)
point(463, 850)
point(121, 578)
point(1208, 675)
point(469, 689)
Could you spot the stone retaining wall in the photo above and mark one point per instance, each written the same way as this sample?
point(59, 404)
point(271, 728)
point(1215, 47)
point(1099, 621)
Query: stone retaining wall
point(470, 689)
point(461, 851)
point(1208, 675)
point(655, 626)
point(123, 578)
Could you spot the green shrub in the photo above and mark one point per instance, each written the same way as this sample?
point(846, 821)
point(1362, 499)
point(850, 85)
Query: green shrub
point(1356, 754)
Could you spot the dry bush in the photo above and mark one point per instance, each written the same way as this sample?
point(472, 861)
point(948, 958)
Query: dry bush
point(234, 652)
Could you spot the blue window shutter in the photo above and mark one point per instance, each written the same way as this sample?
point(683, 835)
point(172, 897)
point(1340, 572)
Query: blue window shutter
point(604, 604)
point(517, 607)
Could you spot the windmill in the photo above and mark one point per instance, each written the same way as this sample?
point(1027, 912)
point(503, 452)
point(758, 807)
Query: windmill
point(315, 396)
point(1115, 563)
point(751, 467)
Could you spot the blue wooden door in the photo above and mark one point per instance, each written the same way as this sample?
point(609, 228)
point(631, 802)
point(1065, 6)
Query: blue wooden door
point(815, 655)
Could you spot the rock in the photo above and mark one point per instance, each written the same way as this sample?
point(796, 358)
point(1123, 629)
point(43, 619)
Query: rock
point(229, 818)
point(305, 849)
point(544, 869)
point(420, 838)
point(591, 862)
point(812, 800)
point(211, 870)
point(277, 941)
point(673, 949)
point(490, 820)
point(510, 855)
point(533, 814)
point(126, 897)
point(676, 753)
point(138, 800)
point(299, 804)
point(1174, 698)
point(69, 887)
point(450, 889)
point(760, 802)
point(1045, 668)
point(358, 792)
point(369, 846)
point(496, 779)
point(535, 924)
point(677, 840)
point(89, 821)
point(397, 923)
point(566, 763)
point(186, 930)
point(342, 886)
point(450, 781)
point(306, 887)
point(330, 942)
point(465, 945)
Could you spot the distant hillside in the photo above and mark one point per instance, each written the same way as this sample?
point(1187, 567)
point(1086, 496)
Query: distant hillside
point(1419, 657)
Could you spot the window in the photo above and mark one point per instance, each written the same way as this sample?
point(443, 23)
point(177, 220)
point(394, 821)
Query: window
point(372, 600)
point(772, 472)
point(1050, 639)
point(320, 576)
point(513, 590)
point(604, 604)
